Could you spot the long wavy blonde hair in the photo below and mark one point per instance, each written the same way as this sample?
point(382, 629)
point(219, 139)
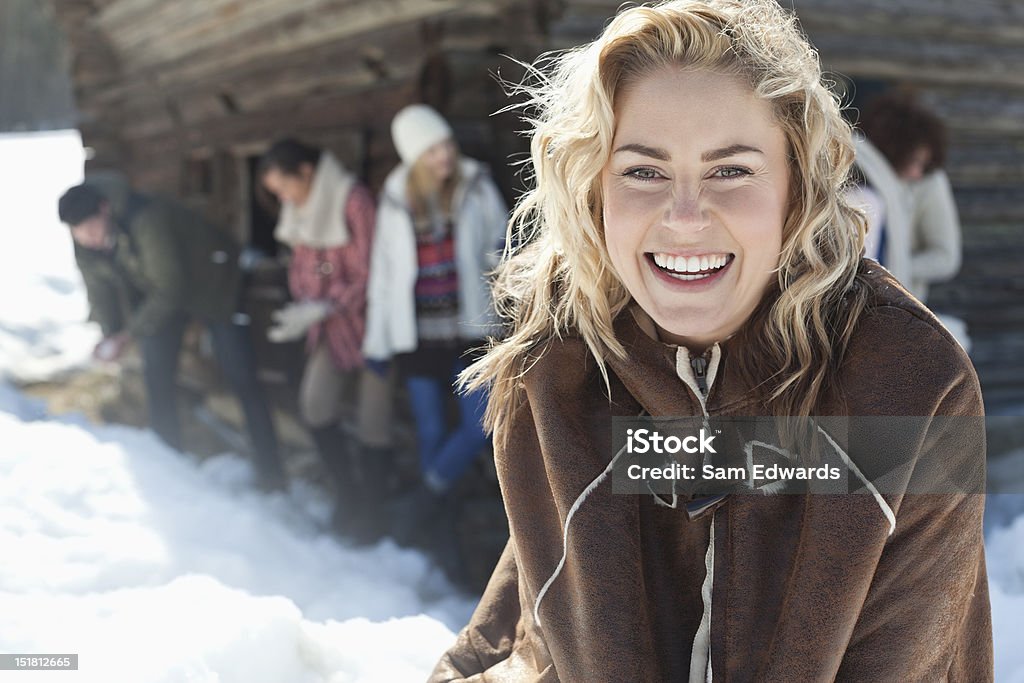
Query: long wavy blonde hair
point(560, 280)
point(422, 187)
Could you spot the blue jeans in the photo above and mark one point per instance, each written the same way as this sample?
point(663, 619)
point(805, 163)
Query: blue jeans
point(446, 455)
point(234, 351)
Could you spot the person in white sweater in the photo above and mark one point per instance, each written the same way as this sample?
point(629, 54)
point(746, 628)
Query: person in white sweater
point(914, 227)
point(912, 141)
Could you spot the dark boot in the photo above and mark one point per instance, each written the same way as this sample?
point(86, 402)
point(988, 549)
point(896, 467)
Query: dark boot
point(375, 476)
point(271, 475)
point(428, 519)
point(413, 515)
point(445, 544)
point(379, 466)
point(336, 455)
point(271, 482)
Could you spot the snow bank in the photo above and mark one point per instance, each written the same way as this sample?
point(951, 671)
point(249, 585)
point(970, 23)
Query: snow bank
point(1005, 556)
point(155, 569)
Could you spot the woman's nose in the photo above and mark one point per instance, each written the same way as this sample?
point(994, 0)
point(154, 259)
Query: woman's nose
point(686, 210)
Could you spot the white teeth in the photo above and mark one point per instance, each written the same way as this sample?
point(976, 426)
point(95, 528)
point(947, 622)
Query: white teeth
point(687, 278)
point(691, 264)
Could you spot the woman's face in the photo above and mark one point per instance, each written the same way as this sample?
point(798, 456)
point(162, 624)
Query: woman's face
point(695, 196)
point(917, 164)
point(439, 159)
point(288, 187)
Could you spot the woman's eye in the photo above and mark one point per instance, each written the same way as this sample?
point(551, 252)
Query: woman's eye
point(644, 174)
point(731, 172)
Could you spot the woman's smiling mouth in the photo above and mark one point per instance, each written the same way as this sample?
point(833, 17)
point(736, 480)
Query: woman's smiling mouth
point(689, 268)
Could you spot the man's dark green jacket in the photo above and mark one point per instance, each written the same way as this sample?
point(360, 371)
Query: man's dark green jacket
point(167, 260)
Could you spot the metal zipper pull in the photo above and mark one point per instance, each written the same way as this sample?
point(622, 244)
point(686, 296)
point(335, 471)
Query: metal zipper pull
point(700, 368)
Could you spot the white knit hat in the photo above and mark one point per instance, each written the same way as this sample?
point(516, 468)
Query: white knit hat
point(415, 129)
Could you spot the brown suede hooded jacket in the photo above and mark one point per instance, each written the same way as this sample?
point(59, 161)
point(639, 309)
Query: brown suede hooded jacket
point(595, 586)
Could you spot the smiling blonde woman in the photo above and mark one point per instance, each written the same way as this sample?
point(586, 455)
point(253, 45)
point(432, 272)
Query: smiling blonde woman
point(688, 252)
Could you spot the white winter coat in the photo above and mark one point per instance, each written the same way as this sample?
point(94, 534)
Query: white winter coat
point(480, 222)
point(935, 250)
point(922, 227)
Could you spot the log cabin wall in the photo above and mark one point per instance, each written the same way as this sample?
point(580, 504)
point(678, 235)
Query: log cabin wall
point(966, 61)
point(185, 94)
point(196, 86)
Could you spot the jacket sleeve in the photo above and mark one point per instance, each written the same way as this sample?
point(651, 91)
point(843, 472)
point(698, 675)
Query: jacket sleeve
point(502, 642)
point(489, 637)
point(162, 263)
point(105, 306)
point(926, 614)
point(936, 250)
point(349, 291)
point(376, 342)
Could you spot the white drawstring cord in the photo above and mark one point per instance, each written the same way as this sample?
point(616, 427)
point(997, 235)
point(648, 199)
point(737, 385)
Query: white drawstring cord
point(565, 532)
point(886, 510)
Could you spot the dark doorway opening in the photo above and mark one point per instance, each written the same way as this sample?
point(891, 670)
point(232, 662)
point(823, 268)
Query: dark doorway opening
point(263, 209)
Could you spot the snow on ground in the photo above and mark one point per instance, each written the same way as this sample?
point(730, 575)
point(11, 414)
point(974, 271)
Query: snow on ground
point(157, 569)
point(151, 566)
point(1004, 548)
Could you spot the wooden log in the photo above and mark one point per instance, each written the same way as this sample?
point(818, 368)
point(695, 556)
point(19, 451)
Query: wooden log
point(980, 21)
point(182, 59)
point(997, 236)
point(922, 61)
point(986, 204)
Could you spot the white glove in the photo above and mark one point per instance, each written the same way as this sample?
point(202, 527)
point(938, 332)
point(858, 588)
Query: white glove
point(292, 321)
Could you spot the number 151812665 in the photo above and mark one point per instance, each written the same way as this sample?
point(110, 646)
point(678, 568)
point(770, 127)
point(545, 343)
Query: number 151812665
point(13, 662)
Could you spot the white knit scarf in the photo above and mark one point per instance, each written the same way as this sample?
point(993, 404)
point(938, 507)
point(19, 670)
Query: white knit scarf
point(320, 221)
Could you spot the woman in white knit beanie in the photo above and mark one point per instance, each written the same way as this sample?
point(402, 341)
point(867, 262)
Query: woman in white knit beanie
point(440, 231)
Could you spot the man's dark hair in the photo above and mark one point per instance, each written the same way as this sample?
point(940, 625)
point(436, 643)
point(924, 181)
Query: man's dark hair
point(80, 203)
point(898, 125)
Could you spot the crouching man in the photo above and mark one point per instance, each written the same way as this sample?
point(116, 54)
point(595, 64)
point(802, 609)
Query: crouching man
point(149, 266)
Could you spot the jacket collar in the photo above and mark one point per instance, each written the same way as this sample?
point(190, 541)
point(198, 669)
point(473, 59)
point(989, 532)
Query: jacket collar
point(650, 371)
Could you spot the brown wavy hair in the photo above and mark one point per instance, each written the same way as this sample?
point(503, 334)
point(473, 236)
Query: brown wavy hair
point(898, 126)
